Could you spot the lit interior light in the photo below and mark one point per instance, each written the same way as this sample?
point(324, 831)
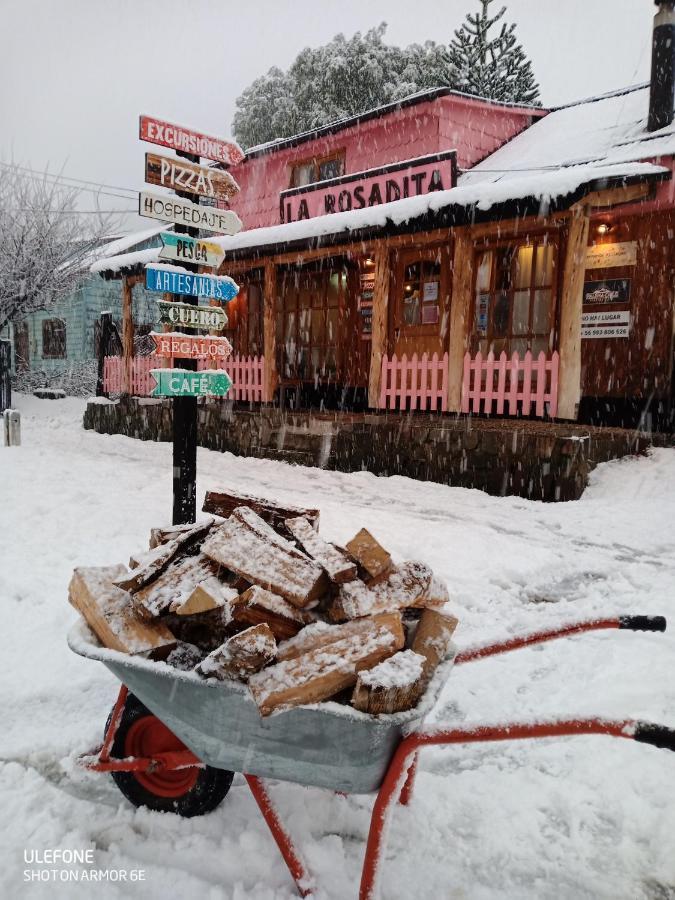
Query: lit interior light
point(603, 228)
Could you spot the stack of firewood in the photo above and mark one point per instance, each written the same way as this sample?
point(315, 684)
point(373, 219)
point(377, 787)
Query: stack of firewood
point(255, 594)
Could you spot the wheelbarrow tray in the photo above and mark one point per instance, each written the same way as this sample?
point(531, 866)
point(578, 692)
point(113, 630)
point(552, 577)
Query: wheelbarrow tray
point(326, 745)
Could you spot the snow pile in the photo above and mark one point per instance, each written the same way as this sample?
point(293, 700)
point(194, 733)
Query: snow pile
point(577, 819)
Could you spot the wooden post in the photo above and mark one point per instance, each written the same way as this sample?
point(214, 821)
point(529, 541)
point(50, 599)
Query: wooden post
point(105, 329)
point(271, 377)
point(127, 335)
point(378, 345)
point(460, 314)
point(571, 301)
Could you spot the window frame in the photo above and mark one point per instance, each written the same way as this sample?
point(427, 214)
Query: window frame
point(47, 351)
point(316, 161)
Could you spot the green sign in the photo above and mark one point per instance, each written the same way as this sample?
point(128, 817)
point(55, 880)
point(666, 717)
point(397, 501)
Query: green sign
point(211, 317)
point(183, 383)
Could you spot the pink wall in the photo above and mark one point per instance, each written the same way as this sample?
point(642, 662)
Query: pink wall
point(473, 127)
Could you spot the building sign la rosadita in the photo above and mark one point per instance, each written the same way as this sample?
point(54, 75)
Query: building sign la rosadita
point(371, 187)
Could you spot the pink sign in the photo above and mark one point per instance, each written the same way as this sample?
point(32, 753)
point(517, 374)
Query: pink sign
point(437, 172)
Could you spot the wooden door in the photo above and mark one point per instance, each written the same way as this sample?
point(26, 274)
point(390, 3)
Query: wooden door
point(420, 302)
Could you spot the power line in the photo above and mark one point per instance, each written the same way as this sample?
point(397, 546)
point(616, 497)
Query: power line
point(114, 187)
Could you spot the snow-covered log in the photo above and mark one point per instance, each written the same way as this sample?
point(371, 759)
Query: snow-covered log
point(241, 655)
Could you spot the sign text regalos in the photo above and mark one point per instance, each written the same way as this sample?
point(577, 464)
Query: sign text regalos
point(155, 131)
point(371, 187)
point(187, 346)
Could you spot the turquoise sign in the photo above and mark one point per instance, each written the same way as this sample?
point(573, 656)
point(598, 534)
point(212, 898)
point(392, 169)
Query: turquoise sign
point(174, 281)
point(184, 383)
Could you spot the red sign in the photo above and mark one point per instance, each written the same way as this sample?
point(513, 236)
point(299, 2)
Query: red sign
point(185, 346)
point(372, 187)
point(187, 141)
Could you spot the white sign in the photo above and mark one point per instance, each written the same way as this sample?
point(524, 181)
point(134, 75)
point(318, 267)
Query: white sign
point(183, 212)
point(430, 292)
point(607, 256)
point(619, 331)
point(606, 318)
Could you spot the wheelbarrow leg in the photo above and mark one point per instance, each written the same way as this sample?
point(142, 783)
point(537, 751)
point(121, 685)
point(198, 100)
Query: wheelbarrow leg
point(407, 789)
point(284, 842)
point(115, 719)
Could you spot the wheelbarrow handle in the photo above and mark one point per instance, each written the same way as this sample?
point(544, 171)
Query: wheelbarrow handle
point(643, 623)
point(657, 735)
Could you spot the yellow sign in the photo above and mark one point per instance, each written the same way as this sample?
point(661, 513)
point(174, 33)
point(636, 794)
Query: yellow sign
point(607, 256)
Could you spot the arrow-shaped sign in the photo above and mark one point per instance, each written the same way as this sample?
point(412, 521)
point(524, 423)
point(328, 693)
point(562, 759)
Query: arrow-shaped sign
point(182, 383)
point(211, 318)
point(174, 280)
point(188, 346)
point(182, 248)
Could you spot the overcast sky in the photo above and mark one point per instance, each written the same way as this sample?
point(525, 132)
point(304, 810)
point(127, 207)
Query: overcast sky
point(75, 74)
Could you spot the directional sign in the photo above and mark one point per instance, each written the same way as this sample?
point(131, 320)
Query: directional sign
point(208, 317)
point(180, 175)
point(187, 141)
point(182, 248)
point(174, 280)
point(183, 212)
point(187, 346)
point(182, 383)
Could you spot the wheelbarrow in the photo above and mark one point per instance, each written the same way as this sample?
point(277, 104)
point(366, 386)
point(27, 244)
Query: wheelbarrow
point(173, 740)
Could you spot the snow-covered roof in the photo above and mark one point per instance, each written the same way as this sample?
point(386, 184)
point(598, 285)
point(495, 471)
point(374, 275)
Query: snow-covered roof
point(120, 245)
point(602, 131)
point(581, 147)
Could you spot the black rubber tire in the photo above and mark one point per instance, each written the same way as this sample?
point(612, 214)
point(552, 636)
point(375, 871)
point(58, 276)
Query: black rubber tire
point(209, 791)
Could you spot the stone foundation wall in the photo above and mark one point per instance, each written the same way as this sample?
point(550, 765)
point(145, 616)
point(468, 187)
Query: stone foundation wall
point(536, 460)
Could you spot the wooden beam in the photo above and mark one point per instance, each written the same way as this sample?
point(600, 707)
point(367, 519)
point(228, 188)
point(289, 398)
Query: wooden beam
point(380, 318)
point(127, 334)
point(604, 199)
point(569, 381)
point(269, 333)
point(460, 314)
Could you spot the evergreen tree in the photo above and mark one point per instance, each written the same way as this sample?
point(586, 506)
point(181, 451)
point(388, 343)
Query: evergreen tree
point(491, 66)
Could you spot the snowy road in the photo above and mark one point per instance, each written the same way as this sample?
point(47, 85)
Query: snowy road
point(580, 818)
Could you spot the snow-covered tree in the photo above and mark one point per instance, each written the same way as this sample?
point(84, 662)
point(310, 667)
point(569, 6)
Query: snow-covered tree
point(342, 78)
point(44, 242)
point(492, 65)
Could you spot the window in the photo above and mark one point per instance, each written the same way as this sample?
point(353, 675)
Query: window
point(421, 293)
point(318, 169)
point(515, 297)
point(53, 339)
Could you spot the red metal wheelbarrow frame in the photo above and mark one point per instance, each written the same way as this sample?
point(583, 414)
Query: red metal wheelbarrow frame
point(398, 781)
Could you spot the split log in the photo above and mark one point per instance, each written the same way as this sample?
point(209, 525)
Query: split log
point(241, 655)
point(223, 503)
point(392, 686)
point(438, 594)
point(257, 605)
point(336, 565)
point(259, 526)
point(238, 548)
point(433, 639)
point(166, 533)
point(208, 595)
point(322, 673)
point(174, 586)
point(407, 586)
point(320, 634)
point(109, 612)
point(158, 560)
point(369, 554)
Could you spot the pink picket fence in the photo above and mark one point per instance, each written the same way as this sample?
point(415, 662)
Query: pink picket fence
point(518, 384)
point(247, 374)
point(415, 383)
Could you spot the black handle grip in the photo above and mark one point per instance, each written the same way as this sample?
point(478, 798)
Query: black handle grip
point(656, 735)
point(643, 623)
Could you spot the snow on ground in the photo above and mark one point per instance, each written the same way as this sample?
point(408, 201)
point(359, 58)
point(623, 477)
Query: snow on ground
point(576, 818)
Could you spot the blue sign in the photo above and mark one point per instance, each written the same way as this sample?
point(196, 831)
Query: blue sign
point(173, 281)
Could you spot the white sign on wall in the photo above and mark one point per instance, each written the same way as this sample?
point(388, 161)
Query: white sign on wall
point(606, 318)
point(607, 256)
point(613, 331)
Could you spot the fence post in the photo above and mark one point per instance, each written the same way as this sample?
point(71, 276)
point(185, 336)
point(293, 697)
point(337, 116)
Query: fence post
point(5, 374)
point(12, 421)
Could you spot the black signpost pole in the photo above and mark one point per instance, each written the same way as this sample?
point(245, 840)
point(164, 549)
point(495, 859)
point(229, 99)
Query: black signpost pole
point(185, 411)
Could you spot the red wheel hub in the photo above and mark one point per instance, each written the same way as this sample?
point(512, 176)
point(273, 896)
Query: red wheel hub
point(148, 737)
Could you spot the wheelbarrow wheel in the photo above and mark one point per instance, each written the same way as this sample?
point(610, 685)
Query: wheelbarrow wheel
point(187, 792)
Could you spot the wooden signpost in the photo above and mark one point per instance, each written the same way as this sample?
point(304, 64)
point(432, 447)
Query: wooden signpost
point(191, 215)
point(180, 175)
point(186, 383)
point(187, 346)
point(185, 315)
point(174, 280)
point(184, 140)
point(184, 249)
